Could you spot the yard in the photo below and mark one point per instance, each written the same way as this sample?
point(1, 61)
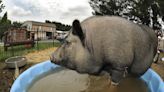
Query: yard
point(24, 49)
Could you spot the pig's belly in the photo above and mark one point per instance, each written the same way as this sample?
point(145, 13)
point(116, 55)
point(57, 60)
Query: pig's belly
point(65, 80)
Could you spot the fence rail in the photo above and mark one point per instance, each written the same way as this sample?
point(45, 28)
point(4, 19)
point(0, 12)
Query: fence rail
point(24, 49)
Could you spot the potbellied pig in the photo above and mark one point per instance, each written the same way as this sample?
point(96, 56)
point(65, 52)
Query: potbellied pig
point(107, 43)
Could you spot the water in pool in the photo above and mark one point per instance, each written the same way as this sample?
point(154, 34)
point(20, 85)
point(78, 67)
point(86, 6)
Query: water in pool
point(65, 80)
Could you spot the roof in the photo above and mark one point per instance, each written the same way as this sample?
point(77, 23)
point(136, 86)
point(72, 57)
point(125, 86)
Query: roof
point(41, 23)
point(62, 31)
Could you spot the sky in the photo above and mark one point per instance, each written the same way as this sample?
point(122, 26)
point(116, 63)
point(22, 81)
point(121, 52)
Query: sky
point(64, 11)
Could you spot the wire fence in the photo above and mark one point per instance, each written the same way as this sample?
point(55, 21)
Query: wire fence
point(20, 50)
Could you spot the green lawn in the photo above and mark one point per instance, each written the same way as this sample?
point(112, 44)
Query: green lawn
point(22, 49)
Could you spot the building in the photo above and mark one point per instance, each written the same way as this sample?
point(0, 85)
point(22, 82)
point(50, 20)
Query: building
point(62, 32)
point(60, 35)
point(39, 30)
point(16, 35)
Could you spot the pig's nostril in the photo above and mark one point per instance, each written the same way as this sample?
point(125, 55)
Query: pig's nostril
point(52, 58)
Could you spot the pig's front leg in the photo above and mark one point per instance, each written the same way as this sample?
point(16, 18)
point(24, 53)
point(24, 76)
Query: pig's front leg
point(116, 75)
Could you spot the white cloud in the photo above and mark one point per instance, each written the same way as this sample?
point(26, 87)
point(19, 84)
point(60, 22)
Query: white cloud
point(20, 12)
point(54, 10)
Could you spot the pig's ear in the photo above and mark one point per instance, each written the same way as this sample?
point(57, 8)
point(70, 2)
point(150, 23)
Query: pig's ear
point(77, 30)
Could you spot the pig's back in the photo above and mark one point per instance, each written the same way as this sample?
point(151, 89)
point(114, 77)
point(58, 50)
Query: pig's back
point(113, 39)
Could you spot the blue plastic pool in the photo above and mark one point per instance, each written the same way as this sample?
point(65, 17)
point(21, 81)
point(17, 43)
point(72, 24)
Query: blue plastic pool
point(154, 82)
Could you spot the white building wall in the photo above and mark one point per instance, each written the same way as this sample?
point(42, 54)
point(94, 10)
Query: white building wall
point(40, 35)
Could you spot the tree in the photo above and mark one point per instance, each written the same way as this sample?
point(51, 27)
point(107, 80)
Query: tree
point(109, 7)
point(161, 5)
point(139, 11)
point(17, 24)
point(1, 6)
point(4, 18)
point(4, 25)
point(47, 21)
point(60, 26)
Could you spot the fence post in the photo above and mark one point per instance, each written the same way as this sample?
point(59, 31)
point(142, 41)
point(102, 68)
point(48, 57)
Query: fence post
point(53, 38)
point(37, 40)
point(12, 50)
point(5, 41)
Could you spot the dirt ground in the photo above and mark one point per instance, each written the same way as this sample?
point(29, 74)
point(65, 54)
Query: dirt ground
point(7, 75)
point(159, 68)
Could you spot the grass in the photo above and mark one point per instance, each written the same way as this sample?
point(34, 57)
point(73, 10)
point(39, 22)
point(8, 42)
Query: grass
point(22, 49)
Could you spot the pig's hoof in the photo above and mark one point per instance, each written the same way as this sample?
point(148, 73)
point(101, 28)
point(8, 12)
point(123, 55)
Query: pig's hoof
point(114, 83)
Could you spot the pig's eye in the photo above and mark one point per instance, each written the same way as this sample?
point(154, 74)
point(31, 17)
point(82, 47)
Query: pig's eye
point(68, 43)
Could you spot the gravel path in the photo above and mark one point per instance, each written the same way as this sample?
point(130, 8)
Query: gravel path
point(39, 56)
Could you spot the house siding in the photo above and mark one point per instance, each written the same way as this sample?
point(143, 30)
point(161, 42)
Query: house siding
point(40, 30)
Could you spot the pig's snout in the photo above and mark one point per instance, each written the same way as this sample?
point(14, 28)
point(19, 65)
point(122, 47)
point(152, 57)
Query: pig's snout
point(53, 59)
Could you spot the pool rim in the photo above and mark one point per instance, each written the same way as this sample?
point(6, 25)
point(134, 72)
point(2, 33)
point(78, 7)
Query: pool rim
point(46, 66)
